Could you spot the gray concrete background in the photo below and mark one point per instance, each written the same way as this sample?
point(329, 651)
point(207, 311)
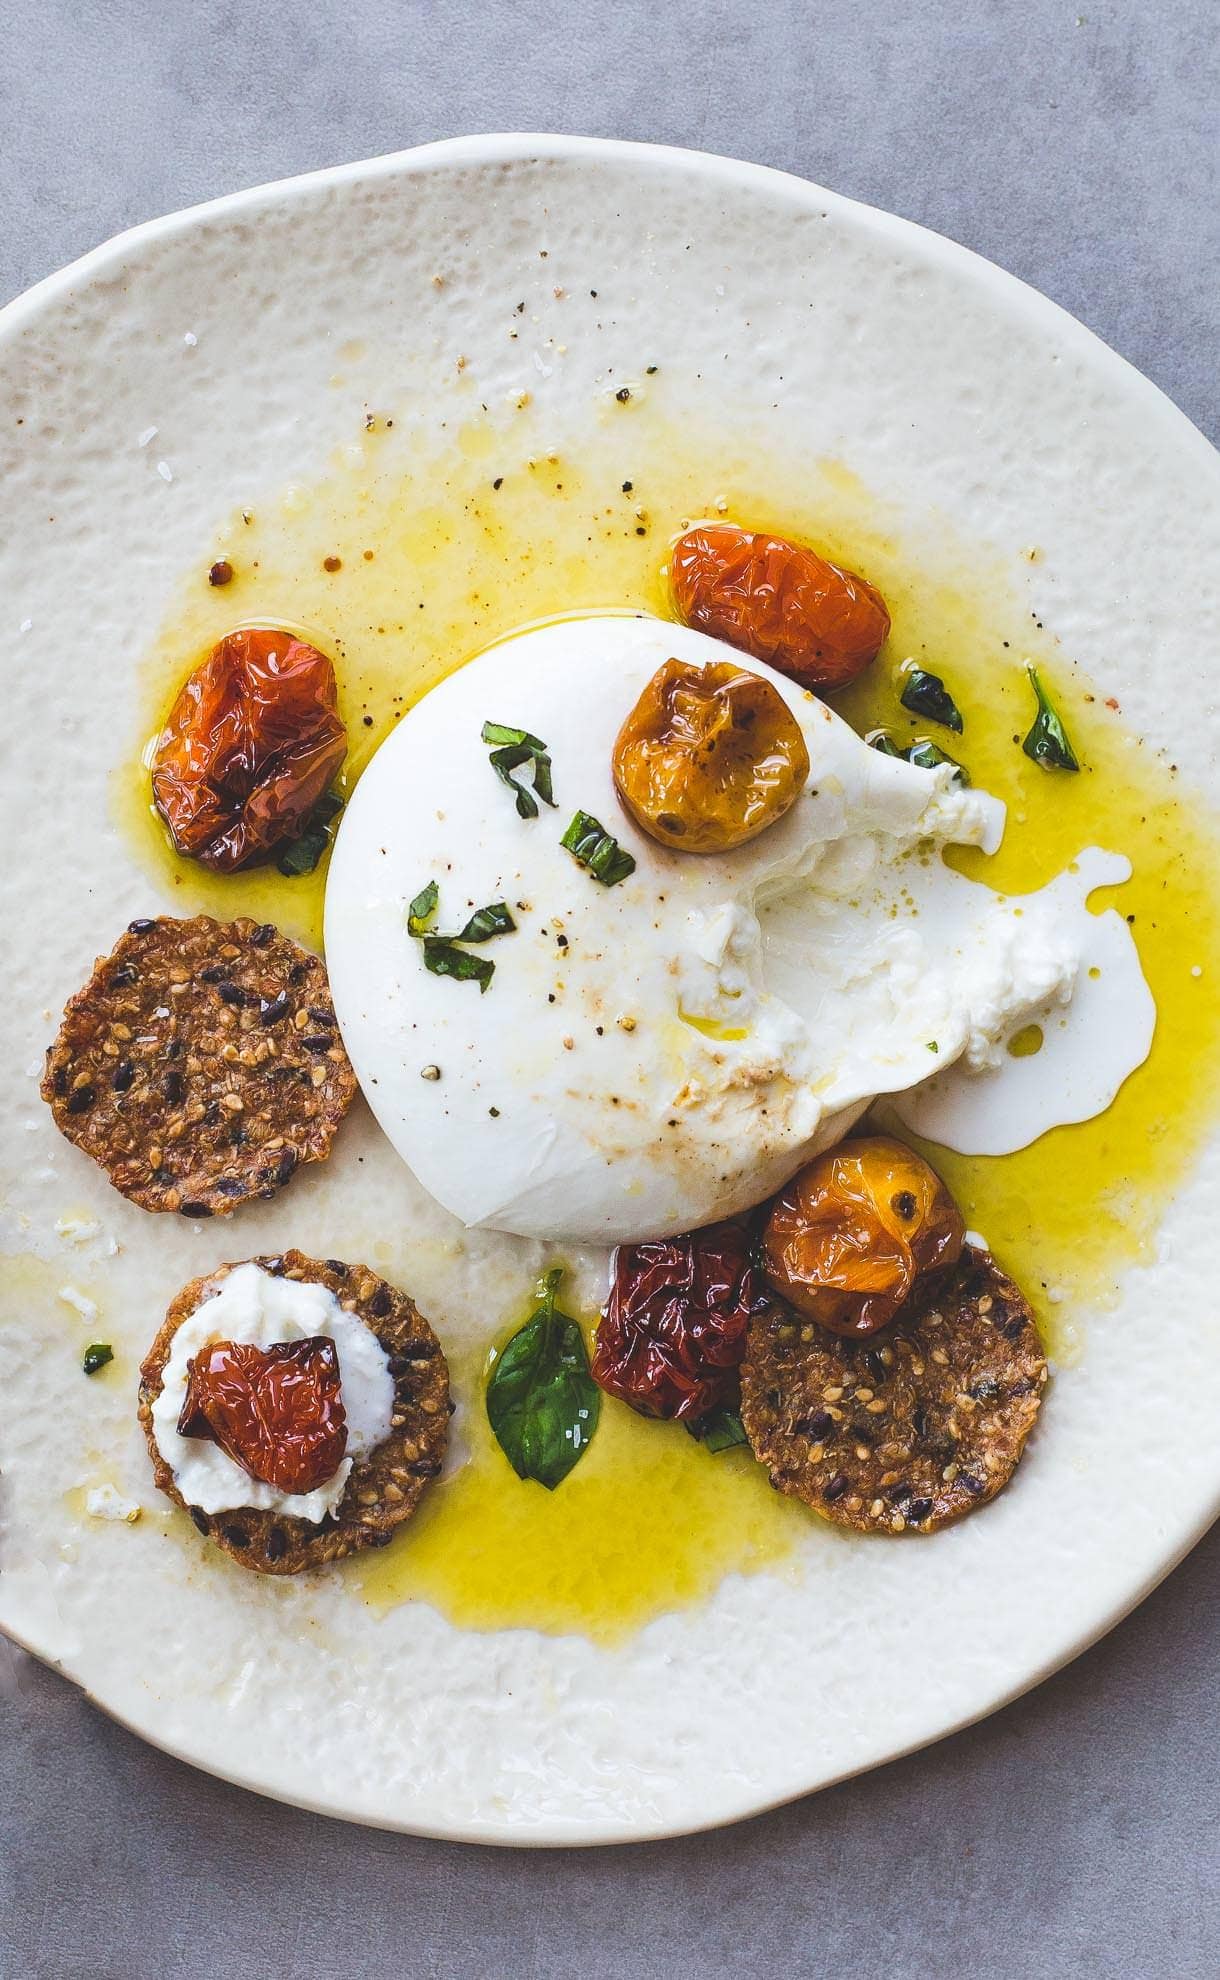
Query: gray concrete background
point(1075, 1834)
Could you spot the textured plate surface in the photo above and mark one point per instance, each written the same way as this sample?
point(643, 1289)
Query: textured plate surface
point(941, 380)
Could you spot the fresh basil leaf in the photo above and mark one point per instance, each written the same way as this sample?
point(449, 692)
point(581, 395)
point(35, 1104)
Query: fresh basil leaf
point(926, 694)
point(303, 854)
point(443, 958)
point(516, 748)
point(929, 756)
point(96, 1355)
point(720, 1430)
point(589, 842)
point(542, 1402)
point(486, 922)
point(1047, 742)
point(422, 909)
point(924, 753)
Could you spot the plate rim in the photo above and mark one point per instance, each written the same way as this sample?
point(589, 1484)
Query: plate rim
point(1023, 300)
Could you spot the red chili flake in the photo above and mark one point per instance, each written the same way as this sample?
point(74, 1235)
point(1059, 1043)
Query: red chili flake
point(277, 1412)
point(674, 1330)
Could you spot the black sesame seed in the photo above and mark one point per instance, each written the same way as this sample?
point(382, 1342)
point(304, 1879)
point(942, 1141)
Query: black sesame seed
point(318, 1041)
point(380, 1539)
point(985, 1390)
point(277, 1544)
point(425, 1468)
point(874, 1364)
point(59, 1082)
point(321, 1016)
point(211, 973)
point(124, 1073)
point(81, 1099)
point(971, 1483)
point(919, 1509)
point(278, 1008)
point(232, 993)
point(1013, 1329)
point(195, 1209)
point(919, 1421)
point(899, 1494)
point(237, 1536)
point(380, 1303)
point(298, 972)
point(122, 977)
point(142, 927)
point(417, 1351)
point(337, 1266)
point(835, 1487)
point(264, 933)
point(231, 1186)
point(273, 1266)
point(818, 1427)
point(286, 1164)
point(174, 1088)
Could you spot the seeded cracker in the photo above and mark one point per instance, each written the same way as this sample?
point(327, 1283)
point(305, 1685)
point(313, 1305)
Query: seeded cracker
point(912, 1428)
point(384, 1488)
point(200, 1064)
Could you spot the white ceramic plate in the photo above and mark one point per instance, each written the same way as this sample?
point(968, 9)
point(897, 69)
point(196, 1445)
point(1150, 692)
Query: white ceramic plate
point(940, 380)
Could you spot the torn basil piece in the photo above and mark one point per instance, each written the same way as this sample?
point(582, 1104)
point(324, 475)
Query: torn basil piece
point(923, 752)
point(926, 694)
point(442, 954)
point(422, 908)
point(443, 958)
point(588, 841)
point(486, 922)
point(515, 748)
point(96, 1355)
point(927, 755)
point(542, 1403)
point(720, 1430)
point(1047, 742)
point(303, 854)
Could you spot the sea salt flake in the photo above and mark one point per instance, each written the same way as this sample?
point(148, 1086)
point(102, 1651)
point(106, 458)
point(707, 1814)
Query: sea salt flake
point(103, 1502)
point(79, 1302)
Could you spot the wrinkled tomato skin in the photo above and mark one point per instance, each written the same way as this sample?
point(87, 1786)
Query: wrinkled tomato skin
point(810, 619)
point(253, 741)
point(277, 1412)
point(673, 1334)
point(854, 1230)
point(709, 757)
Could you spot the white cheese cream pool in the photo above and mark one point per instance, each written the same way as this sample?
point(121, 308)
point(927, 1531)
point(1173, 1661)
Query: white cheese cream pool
point(657, 1054)
point(253, 1306)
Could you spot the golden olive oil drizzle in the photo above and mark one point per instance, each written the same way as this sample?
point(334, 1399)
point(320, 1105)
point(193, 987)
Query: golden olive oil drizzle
point(403, 562)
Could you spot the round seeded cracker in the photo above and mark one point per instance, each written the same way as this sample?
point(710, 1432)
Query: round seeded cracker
point(911, 1428)
point(201, 1064)
point(384, 1488)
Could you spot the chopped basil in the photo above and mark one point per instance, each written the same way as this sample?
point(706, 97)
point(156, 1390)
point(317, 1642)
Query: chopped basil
point(517, 747)
point(720, 1430)
point(486, 922)
point(96, 1355)
point(929, 755)
point(422, 908)
point(590, 843)
point(542, 1402)
point(923, 752)
point(926, 694)
point(303, 854)
point(442, 956)
point(1047, 742)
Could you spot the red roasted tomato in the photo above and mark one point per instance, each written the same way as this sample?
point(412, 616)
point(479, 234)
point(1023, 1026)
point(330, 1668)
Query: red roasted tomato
point(815, 622)
point(252, 742)
point(674, 1330)
point(277, 1412)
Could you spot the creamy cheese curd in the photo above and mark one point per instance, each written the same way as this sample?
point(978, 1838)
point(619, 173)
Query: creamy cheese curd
point(252, 1306)
point(654, 1055)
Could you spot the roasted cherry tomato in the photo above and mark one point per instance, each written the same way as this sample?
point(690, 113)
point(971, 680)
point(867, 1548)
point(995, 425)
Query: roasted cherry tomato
point(779, 602)
point(674, 1330)
point(855, 1228)
point(251, 744)
point(709, 757)
point(277, 1412)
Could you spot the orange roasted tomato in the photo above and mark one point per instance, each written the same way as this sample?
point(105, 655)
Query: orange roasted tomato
point(709, 757)
point(854, 1230)
point(277, 1411)
point(781, 603)
point(251, 744)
